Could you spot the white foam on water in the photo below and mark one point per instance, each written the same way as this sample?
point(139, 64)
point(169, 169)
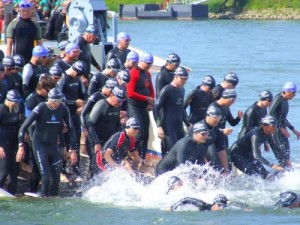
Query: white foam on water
point(119, 188)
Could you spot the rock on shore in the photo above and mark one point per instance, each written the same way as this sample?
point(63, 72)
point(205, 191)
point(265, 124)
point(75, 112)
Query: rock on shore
point(266, 14)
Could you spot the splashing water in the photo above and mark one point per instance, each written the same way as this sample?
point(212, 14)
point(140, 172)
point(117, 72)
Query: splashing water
point(122, 189)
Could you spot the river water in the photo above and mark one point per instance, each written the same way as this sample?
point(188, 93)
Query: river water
point(264, 54)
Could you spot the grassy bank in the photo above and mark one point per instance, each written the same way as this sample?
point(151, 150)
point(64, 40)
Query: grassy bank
point(218, 6)
point(114, 4)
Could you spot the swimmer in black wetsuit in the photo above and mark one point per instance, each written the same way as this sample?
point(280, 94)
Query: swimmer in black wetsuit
point(189, 148)
point(230, 81)
point(168, 111)
point(199, 99)
point(166, 75)
point(220, 202)
point(98, 79)
point(227, 99)
point(92, 100)
point(120, 146)
point(245, 152)
point(279, 109)
point(103, 121)
point(215, 151)
point(121, 50)
point(49, 117)
point(44, 85)
point(74, 91)
point(254, 114)
point(11, 117)
point(288, 199)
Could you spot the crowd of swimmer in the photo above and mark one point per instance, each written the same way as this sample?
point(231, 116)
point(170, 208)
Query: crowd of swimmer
point(49, 101)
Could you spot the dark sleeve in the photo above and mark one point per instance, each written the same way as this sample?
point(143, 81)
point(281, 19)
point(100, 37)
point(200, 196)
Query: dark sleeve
point(256, 152)
point(99, 109)
point(184, 114)
point(220, 142)
point(277, 111)
point(232, 121)
point(201, 205)
point(86, 109)
point(160, 102)
point(159, 83)
point(248, 119)
point(94, 84)
point(181, 148)
point(189, 99)
point(50, 28)
point(113, 142)
point(289, 125)
point(81, 91)
point(32, 117)
point(71, 129)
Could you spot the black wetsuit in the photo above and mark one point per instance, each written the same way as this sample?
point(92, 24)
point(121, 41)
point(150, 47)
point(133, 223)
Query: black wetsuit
point(9, 81)
point(86, 55)
point(92, 100)
point(217, 92)
point(23, 32)
point(117, 53)
point(47, 129)
point(31, 102)
point(3, 91)
point(18, 84)
point(226, 116)
point(31, 75)
point(163, 78)
point(102, 123)
point(214, 144)
point(97, 82)
point(169, 112)
point(186, 149)
point(279, 109)
point(198, 100)
point(252, 118)
point(55, 24)
point(62, 64)
point(201, 205)
point(73, 89)
point(120, 144)
point(9, 126)
point(246, 154)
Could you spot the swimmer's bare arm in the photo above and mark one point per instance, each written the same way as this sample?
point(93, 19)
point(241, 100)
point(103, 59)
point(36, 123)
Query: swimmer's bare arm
point(108, 157)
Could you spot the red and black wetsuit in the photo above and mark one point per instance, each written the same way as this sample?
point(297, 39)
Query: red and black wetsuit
point(138, 90)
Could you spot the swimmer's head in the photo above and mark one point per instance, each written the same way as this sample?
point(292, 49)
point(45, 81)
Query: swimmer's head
point(173, 183)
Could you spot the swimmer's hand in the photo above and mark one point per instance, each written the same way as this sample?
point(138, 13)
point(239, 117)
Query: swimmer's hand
point(297, 133)
point(20, 154)
point(73, 157)
point(277, 167)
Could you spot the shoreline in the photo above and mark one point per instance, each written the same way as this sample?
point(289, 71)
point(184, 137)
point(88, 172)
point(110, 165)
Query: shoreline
point(265, 14)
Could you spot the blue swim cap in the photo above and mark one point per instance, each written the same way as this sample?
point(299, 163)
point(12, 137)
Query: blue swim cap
point(19, 61)
point(111, 83)
point(146, 57)
point(55, 70)
point(266, 95)
point(119, 92)
point(124, 76)
point(133, 122)
point(55, 93)
point(39, 51)
point(133, 56)
point(229, 93)
point(79, 66)
point(289, 87)
point(231, 78)
point(13, 96)
point(181, 71)
point(123, 36)
point(8, 61)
